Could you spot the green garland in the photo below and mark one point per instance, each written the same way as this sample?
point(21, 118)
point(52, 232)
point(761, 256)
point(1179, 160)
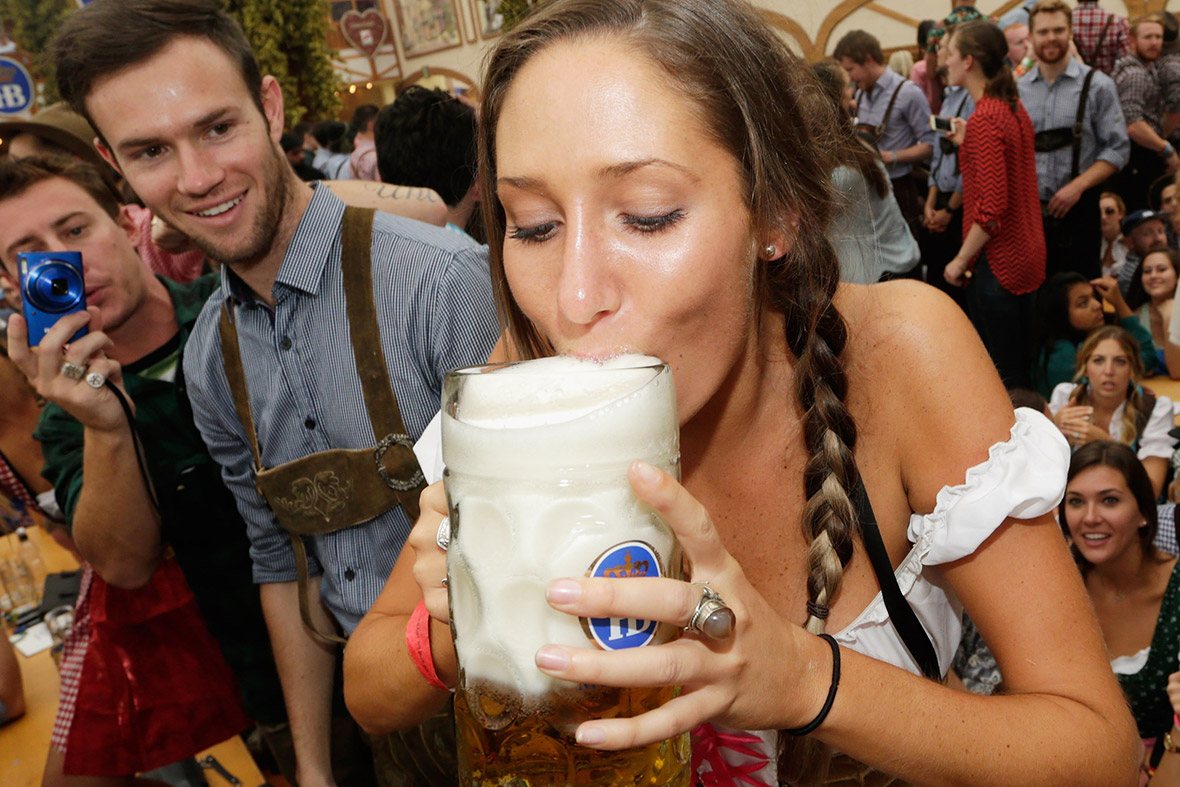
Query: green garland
point(290, 41)
point(515, 10)
point(34, 23)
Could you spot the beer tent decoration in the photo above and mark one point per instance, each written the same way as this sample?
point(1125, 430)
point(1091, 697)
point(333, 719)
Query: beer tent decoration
point(366, 30)
point(16, 87)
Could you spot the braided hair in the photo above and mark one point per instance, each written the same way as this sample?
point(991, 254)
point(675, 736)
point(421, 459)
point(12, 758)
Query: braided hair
point(763, 105)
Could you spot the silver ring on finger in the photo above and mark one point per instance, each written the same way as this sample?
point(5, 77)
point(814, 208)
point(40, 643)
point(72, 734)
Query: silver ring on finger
point(95, 380)
point(711, 617)
point(444, 582)
point(443, 536)
point(75, 371)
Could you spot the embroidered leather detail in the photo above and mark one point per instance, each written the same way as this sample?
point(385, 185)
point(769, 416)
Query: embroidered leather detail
point(324, 495)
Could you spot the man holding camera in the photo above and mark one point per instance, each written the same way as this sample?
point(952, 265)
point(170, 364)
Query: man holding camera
point(138, 327)
point(1081, 140)
point(321, 358)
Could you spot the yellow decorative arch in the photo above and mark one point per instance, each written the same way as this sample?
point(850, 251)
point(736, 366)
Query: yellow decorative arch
point(791, 28)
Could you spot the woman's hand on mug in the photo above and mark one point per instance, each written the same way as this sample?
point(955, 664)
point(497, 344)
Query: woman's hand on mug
point(723, 679)
point(430, 561)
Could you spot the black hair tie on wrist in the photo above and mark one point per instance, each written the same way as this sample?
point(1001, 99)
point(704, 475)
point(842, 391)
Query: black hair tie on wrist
point(823, 712)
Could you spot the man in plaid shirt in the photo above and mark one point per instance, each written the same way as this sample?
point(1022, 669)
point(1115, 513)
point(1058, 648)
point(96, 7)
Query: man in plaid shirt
point(1098, 49)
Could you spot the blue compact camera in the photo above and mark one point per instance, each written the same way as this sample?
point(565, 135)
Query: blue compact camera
point(51, 287)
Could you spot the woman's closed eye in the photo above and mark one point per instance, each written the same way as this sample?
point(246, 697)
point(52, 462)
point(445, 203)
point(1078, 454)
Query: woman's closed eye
point(653, 223)
point(537, 233)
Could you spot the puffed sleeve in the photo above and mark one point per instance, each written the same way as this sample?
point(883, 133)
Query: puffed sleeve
point(1155, 440)
point(1023, 477)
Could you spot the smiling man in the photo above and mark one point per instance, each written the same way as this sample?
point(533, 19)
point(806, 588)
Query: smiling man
point(326, 345)
point(1081, 140)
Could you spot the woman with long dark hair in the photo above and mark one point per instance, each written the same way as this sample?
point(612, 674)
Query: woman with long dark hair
point(655, 177)
point(1003, 240)
point(1069, 307)
point(1109, 514)
point(869, 234)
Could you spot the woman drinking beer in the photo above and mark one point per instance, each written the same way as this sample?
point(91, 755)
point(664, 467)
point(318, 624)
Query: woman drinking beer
point(655, 181)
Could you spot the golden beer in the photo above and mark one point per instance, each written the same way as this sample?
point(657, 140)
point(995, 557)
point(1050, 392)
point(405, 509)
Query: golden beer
point(532, 750)
point(537, 456)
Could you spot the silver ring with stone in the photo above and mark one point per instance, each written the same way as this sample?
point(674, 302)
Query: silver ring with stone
point(95, 380)
point(711, 617)
point(75, 371)
point(443, 536)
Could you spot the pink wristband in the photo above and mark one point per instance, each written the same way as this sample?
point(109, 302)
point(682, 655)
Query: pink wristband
point(418, 643)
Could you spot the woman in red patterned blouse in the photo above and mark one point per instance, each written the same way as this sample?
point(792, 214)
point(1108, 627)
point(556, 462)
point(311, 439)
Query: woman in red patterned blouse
point(1003, 251)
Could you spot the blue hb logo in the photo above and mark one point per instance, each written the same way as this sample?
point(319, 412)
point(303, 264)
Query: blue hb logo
point(16, 87)
point(629, 559)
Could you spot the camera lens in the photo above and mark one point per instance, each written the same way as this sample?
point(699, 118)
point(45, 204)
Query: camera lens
point(54, 285)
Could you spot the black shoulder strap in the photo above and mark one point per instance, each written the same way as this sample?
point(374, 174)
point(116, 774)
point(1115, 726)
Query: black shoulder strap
point(916, 640)
point(1078, 124)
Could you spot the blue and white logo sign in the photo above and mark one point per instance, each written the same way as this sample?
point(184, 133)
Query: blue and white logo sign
point(16, 87)
point(628, 559)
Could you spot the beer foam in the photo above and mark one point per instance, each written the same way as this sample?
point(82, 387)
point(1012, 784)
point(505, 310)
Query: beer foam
point(537, 456)
point(548, 415)
point(553, 390)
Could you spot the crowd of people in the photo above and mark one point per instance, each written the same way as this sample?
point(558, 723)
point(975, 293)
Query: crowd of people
point(236, 434)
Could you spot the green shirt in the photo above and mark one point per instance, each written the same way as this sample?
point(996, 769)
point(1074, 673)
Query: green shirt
point(1059, 366)
point(200, 520)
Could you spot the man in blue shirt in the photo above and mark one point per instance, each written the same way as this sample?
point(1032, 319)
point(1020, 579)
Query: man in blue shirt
point(893, 114)
point(1073, 162)
point(182, 110)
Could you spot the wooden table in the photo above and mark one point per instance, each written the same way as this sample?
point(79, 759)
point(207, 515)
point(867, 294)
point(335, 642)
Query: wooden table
point(1165, 386)
point(24, 743)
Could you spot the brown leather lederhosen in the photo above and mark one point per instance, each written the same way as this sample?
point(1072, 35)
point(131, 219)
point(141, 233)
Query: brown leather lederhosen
point(331, 490)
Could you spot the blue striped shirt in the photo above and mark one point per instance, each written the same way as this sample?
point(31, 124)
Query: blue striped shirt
point(434, 306)
point(1104, 131)
point(909, 122)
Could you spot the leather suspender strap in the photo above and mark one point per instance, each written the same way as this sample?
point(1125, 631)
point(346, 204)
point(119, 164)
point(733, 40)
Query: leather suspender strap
point(1078, 126)
point(396, 461)
point(889, 110)
point(235, 375)
point(916, 640)
point(393, 456)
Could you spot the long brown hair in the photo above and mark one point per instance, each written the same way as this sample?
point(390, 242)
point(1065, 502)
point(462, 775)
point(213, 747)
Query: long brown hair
point(985, 42)
point(1128, 344)
point(858, 153)
point(761, 103)
point(1106, 453)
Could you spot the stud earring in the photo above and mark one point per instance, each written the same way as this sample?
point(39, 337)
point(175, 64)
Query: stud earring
point(769, 251)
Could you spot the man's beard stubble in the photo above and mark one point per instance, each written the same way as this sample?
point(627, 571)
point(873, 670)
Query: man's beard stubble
point(266, 225)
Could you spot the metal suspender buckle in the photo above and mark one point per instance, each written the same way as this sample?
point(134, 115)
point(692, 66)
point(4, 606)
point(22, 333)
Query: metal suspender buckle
point(398, 484)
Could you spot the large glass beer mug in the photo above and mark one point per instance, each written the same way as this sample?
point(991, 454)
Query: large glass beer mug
point(537, 456)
